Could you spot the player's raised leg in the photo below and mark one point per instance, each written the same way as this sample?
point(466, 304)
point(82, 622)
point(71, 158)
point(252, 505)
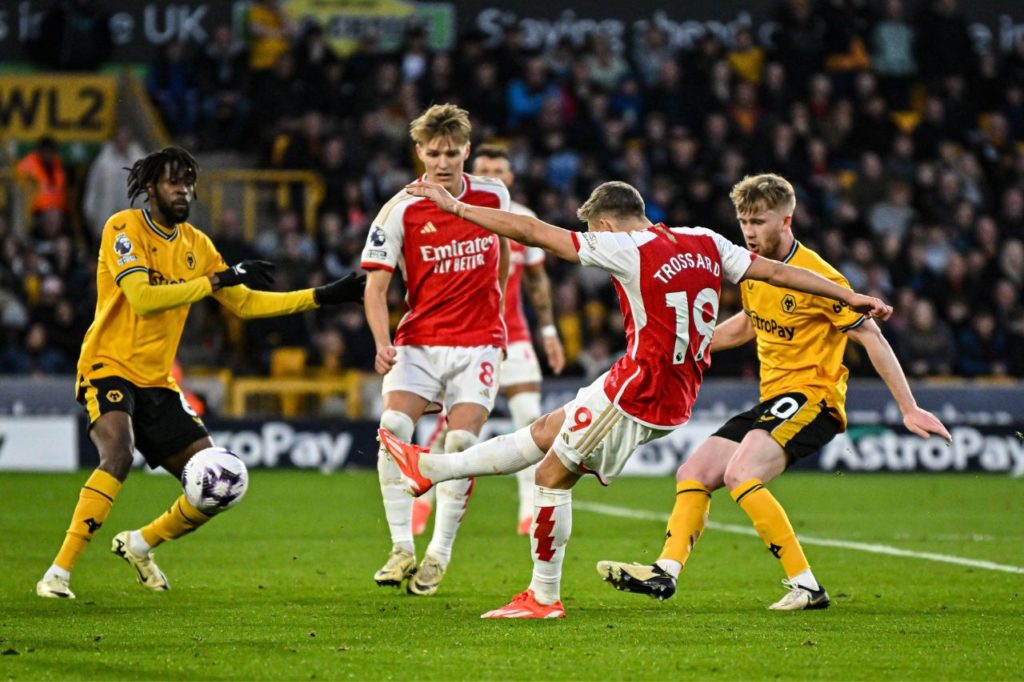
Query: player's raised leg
point(760, 459)
point(549, 535)
point(500, 455)
point(112, 435)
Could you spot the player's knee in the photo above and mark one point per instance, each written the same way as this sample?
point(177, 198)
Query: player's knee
point(398, 423)
point(116, 452)
point(459, 440)
point(546, 428)
point(739, 471)
point(692, 471)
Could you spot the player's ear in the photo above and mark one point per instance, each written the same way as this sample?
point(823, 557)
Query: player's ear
point(465, 152)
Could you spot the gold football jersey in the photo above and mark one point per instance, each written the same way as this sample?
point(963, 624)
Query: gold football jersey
point(120, 342)
point(800, 337)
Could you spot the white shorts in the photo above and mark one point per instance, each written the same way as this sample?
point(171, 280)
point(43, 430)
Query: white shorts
point(596, 438)
point(521, 366)
point(446, 375)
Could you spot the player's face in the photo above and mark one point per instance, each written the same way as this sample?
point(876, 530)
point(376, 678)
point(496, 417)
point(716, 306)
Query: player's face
point(444, 161)
point(763, 231)
point(173, 195)
point(499, 169)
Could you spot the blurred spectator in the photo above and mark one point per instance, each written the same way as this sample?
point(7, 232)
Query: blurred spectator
point(746, 58)
point(106, 188)
point(287, 235)
point(892, 54)
point(894, 215)
point(223, 86)
point(928, 344)
point(173, 86)
point(526, 95)
point(943, 43)
point(270, 30)
point(74, 35)
point(231, 242)
point(43, 172)
point(981, 347)
point(34, 355)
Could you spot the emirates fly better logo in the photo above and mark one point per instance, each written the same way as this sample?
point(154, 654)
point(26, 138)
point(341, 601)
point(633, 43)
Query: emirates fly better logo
point(457, 256)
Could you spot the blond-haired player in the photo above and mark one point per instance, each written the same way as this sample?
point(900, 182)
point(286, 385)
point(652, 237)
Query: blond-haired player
point(800, 342)
point(152, 266)
point(447, 348)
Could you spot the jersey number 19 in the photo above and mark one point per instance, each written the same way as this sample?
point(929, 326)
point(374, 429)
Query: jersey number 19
point(679, 301)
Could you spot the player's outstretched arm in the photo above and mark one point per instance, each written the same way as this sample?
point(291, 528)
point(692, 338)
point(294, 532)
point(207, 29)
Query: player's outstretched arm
point(523, 229)
point(917, 420)
point(249, 304)
point(791, 277)
point(734, 332)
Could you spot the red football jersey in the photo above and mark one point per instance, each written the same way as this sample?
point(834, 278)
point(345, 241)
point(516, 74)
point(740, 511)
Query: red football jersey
point(521, 256)
point(668, 282)
point(450, 267)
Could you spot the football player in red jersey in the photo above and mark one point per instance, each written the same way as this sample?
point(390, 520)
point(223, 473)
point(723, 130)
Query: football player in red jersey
point(668, 282)
point(448, 346)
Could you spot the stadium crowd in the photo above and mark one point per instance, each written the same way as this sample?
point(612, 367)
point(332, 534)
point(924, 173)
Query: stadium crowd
point(902, 139)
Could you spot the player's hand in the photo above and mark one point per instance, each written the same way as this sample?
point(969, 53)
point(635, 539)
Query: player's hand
point(434, 192)
point(555, 353)
point(870, 306)
point(348, 289)
point(255, 274)
point(385, 359)
point(923, 423)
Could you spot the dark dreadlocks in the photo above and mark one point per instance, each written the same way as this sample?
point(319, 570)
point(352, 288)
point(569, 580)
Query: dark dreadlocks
point(148, 171)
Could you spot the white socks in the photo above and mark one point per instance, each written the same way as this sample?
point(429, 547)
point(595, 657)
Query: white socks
point(806, 579)
point(501, 455)
point(552, 525)
point(670, 566)
point(452, 498)
point(55, 570)
point(397, 505)
point(137, 544)
point(525, 409)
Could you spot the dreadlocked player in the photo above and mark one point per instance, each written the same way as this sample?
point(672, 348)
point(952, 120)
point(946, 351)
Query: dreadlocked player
point(152, 266)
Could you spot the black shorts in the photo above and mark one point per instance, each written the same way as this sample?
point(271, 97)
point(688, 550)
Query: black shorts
point(162, 421)
point(798, 425)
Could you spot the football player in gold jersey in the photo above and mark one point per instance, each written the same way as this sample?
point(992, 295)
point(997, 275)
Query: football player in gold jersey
point(800, 344)
point(152, 266)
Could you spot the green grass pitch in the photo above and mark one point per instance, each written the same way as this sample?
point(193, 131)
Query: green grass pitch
point(281, 588)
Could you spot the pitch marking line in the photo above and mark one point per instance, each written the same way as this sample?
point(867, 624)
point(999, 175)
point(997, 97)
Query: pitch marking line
point(627, 513)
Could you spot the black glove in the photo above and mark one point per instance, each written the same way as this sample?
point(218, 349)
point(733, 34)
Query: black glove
point(255, 274)
point(348, 289)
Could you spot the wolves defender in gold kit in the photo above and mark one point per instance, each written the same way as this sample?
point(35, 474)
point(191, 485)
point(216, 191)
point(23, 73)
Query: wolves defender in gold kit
point(152, 266)
point(800, 343)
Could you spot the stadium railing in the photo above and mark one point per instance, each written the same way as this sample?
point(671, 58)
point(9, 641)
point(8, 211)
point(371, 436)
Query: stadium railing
point(219, 183)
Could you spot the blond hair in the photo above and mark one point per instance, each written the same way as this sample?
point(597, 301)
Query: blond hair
point(617, 199)
point(767, 191)
point(441, 120)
